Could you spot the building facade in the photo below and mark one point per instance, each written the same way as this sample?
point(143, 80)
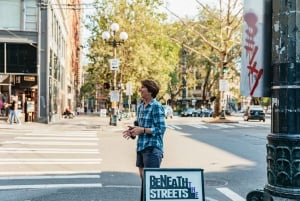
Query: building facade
point(40, 56)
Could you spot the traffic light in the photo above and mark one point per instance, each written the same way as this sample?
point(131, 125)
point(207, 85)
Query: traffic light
point(106, 85)
point(224, 70)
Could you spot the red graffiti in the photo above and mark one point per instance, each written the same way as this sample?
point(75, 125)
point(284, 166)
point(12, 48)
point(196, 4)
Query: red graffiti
point(251, 51)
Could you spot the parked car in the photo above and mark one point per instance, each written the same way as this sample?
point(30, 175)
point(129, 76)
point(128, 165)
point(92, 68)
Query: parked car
point(168, 111)
point(254, 112)
point(206, 112)
point(187, 112)
point(197, 113)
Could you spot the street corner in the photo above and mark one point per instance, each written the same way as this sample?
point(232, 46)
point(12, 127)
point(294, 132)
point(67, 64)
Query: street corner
point(220, 120)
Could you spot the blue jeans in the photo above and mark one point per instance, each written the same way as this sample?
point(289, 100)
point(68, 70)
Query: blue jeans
point(13, 116)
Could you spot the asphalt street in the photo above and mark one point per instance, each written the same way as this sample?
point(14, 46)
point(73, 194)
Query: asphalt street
point(88, 154)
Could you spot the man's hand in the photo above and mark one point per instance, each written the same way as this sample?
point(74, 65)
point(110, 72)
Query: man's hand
point(129, 133)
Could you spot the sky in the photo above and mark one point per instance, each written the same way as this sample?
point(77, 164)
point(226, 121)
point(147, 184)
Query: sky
point(184, 8)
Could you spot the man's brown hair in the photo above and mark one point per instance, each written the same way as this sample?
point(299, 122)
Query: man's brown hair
point(152, 86)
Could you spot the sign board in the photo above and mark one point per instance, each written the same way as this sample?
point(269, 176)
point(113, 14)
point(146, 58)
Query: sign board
point(223, 85)
point(173, 184)
point(30, 106)
point(103, 112)
point(256, 57)
point(129, 89)
point(114, 96)
point(114, 64)
point(29, 78)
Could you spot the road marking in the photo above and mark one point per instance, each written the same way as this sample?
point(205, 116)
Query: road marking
point(170, 127)
point(224, 125)
point(198, 126)
point(47, 172)
point(44, 161)
point(48, 150)
point(87, 176)
point(209, 199)
point(59, 138)
point(65, 134)
point(50, 143)
point(173, 127)
point(242, 125)
point(48, 186)
point(230, 194)
point(121, 186)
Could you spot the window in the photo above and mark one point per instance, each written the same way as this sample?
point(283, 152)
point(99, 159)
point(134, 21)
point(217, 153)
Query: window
point(21, 58)
point(10, 10)
point(1, 57)
point(18, 15)
point(30, 15)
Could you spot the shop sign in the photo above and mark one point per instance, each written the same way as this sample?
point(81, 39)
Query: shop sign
point(30, 106)
point(29, 78)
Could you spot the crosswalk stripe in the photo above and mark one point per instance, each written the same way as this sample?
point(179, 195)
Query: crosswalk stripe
point(62, 134)
point(170, 127)
point(77, 176)
point(174, 127)
point(47, 152)
point(209, 199)
point(58, 138)
point(35, 172)
point(198, 126)
point(230, 194)
point(45, 149)
point(10, 161)
point(67, 143)
point(223, 125)
point(48, 186)
point(242, 125)
point(218, 125)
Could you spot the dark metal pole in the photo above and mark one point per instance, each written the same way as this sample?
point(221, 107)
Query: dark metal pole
point(184, 86)
point(114, 107)
point(283, 148)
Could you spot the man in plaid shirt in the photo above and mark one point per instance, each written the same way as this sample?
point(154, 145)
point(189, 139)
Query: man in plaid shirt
point(150, 127)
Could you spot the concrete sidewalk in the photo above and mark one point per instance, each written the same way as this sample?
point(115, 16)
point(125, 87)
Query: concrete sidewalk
point(89, 120)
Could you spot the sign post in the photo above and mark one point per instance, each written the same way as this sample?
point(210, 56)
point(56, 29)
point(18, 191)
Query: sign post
point(114, 64)
point(129, 94)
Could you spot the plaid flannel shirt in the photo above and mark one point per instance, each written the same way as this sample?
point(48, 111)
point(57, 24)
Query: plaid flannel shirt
point(153, 117)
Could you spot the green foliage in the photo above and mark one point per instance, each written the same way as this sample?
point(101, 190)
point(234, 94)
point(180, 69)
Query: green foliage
point(153, 47)
point(148, 52)
point(265, 101)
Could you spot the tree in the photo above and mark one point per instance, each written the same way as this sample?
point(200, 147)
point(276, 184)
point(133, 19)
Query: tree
point(213, 42)
point(148, 53)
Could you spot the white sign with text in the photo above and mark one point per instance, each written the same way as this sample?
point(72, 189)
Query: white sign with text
point(173, 184)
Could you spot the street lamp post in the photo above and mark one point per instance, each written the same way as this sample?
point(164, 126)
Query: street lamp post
point(114, 28)
point(184, 78)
